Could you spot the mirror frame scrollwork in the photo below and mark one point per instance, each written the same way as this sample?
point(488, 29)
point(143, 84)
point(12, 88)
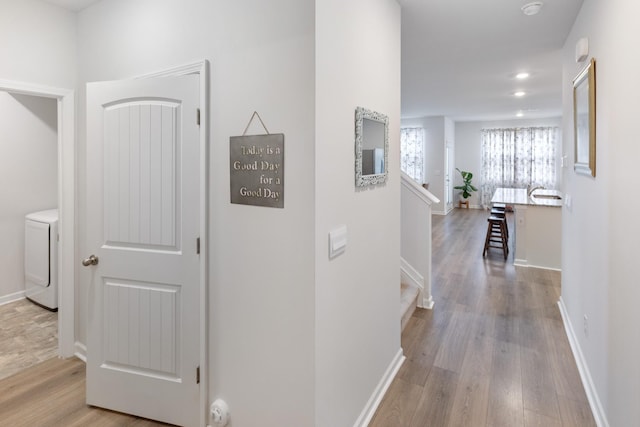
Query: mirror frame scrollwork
point(361, 115)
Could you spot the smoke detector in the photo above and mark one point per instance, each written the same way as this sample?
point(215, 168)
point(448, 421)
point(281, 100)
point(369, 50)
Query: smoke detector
point(532, 8)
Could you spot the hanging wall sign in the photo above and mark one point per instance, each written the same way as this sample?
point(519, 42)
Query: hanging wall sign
point(257, 170)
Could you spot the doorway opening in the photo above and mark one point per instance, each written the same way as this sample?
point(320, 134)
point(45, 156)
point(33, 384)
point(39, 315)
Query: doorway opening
point(28, 173)
point(65, 198)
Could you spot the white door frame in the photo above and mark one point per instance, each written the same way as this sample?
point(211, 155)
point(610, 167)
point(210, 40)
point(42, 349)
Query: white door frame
point(66, 204)
point(450, 167)
point(202, 69)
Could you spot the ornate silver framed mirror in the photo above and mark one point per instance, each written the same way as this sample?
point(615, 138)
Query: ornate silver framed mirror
point(372, 147)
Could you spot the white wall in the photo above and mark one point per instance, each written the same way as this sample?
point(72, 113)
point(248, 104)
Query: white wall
point(601, 229)
point(263, 317)
point(261, 260)
point(357, 293)
point(469, 147)
point(28, 176)
point(38, 43)
point(434, 146)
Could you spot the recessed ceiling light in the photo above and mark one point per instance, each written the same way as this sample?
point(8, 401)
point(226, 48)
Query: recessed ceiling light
point(522, 76)
point(519, 94)
point(519, 114)
point(532, 8)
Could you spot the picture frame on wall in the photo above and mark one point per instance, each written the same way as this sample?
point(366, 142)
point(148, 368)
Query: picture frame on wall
point(584, 120)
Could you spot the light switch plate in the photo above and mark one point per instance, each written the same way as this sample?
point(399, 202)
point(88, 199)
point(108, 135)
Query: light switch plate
point(337, 241)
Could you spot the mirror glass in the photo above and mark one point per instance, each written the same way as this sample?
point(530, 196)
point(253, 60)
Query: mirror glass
point(372, 147)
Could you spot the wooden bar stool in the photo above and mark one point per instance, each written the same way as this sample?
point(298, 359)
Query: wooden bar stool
point(500, 209)
point(496, 235)
point(501, 214)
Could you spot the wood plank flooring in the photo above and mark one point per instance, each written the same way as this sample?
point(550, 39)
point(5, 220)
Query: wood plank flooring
point(493, 351)
point(52, 394)
point(28, 336)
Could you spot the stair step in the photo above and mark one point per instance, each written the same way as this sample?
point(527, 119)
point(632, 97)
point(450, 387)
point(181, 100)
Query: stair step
point(408, 302)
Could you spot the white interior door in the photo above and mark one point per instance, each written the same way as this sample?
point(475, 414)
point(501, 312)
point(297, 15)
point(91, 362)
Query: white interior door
point(143, 198)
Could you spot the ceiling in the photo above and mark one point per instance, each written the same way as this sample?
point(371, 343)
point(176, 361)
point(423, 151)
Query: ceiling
point(74, 5)
point(460, 58)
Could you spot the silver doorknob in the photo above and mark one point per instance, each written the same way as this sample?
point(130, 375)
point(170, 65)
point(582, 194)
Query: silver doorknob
point(92, 260)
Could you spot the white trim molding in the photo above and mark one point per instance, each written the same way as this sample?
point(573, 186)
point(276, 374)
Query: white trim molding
point(518, 262)
point(12, 297)
point(385, 382)
point(428, 302)
point(25, 88)
point(410, 275)
point(81, 351)
point(585, 375)
point(418, 190)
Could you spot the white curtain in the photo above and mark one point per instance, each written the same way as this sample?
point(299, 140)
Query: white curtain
point(518, 158)
point(412, 153)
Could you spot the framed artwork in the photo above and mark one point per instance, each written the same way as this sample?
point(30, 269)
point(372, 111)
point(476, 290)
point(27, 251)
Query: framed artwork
point(584, 120)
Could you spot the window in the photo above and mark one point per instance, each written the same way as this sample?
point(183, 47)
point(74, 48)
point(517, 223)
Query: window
point(518, 158)
point(412, 153)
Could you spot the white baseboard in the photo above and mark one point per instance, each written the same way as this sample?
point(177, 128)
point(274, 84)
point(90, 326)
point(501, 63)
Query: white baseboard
point(411, 276)
point(587, 382)
point(428, 303)
point(12, 297)
point(81, 351)
point(374, 401)
point(524, 263)
point(520, 262)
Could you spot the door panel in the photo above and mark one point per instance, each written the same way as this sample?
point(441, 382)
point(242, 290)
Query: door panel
point(143, 187)
point(142, 179)
point(139, 332)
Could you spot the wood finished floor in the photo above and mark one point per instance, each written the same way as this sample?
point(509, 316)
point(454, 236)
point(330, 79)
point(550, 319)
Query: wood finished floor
point(28, 336)
point(493, 352)
point(37, 389)
point(52, 394)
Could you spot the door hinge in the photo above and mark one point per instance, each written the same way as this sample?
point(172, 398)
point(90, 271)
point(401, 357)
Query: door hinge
point(198, 246)
point(198, 375)
point(198, 116)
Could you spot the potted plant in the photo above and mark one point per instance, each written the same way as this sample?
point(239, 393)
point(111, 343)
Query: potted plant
point(466, 187)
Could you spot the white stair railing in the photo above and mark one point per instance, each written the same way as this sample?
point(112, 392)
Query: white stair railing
point(415, 245)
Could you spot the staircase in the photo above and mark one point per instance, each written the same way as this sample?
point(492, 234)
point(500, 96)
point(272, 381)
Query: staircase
point(408, 302)
point(415, 248)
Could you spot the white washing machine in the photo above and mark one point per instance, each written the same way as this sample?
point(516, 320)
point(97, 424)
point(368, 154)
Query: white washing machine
point(41, 258)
